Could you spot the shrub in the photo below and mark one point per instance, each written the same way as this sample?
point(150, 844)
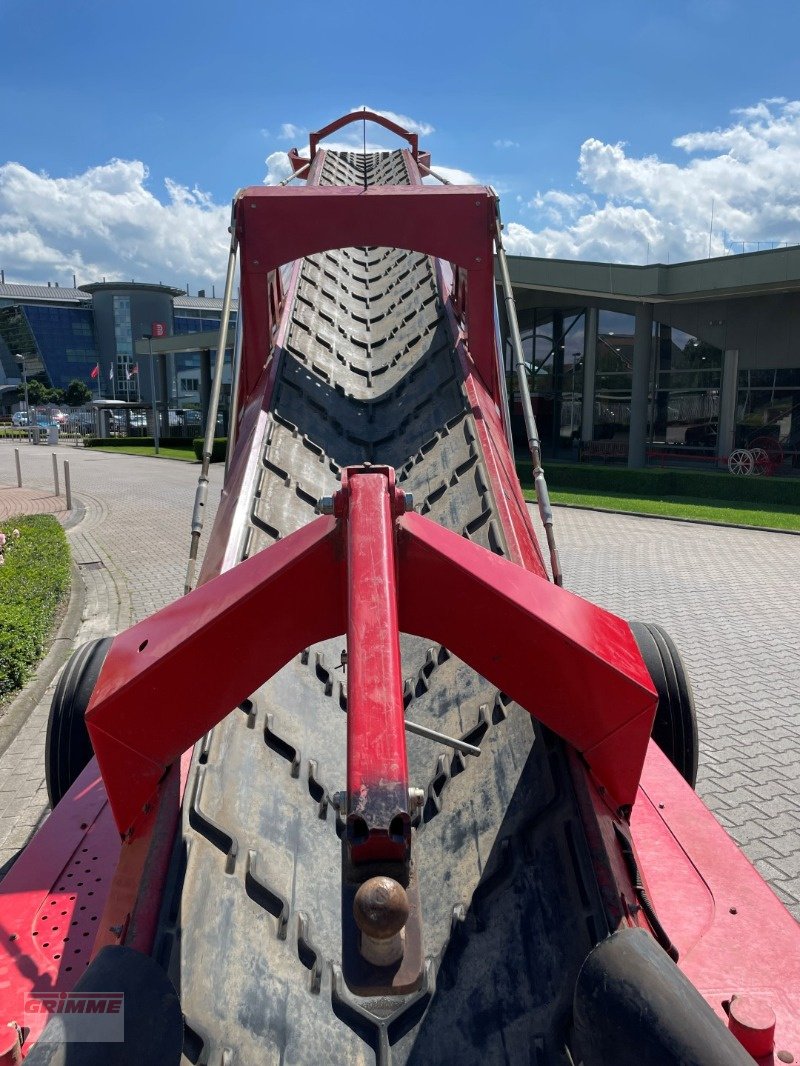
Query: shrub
point(34, 579)
point(218, 448)
point(666, 483)
point(135, 442)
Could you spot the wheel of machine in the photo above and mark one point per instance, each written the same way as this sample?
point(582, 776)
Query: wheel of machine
point(675, 725)
point(740, 462)
point(772, 449)
point(67, 747)
point(761, 463)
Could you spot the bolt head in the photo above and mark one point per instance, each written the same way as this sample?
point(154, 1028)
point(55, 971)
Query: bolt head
point(325, 505)
point(380, 908)
point(409, 497)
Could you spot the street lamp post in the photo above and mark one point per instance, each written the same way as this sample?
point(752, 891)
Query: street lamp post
point(149, 338)
point(21, 361)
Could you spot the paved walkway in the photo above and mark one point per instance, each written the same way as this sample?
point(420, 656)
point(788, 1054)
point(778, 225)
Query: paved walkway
point(14, 501)
point(728, 597)
point(131, 548)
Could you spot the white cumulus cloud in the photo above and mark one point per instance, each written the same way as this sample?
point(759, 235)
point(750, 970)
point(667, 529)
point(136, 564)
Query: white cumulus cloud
point(424, 129)
point(635, 207)
point(505, 143)
point(290, 132)
point(107, 222)
point(278, 168)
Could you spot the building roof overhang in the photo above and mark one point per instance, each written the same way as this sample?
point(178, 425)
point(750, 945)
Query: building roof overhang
point(754, 274)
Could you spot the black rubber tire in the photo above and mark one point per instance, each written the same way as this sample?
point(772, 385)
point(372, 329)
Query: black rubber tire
point(67, 747)
point(675, 725)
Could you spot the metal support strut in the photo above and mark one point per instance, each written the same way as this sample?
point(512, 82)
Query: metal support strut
point(534, 444)
point(201, 494)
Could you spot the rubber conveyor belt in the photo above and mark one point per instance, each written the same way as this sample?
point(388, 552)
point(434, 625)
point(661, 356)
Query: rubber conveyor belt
point(251, 928)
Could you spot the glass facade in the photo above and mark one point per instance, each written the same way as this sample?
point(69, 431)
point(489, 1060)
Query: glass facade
point(125, 384)
point(684, 401)
point(684, 382)
point(613, 376)
point(65, 341)
point(553, 342)
point(768, 408)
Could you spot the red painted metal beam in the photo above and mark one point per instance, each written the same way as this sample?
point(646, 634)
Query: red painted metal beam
point(378, 820)
point(278, 225)
point(363, 116)
point(572, 665)
point(166, 681)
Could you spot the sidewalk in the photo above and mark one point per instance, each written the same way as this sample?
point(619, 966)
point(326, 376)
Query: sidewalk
point(129, 538)
point(15, 501)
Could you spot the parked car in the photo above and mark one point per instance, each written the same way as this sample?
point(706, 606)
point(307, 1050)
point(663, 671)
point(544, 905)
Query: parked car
point(20, 418)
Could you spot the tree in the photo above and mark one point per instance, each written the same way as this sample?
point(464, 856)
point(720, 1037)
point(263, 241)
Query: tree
point(77, 393)
point(37, 392)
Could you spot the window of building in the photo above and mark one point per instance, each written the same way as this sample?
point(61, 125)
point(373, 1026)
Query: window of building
point(768, 406)
point(123, 334)
point(684, 394)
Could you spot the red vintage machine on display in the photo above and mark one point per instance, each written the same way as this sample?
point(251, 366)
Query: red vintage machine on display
point(379, 789)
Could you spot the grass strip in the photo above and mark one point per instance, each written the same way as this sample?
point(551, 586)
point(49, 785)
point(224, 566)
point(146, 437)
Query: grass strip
point(185, 454)
point(34, 581)
point(721, 513)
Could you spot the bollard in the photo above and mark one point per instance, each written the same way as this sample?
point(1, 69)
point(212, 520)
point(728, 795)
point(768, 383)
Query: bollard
point(55, 474)
point(67, 487)
point(19, 469)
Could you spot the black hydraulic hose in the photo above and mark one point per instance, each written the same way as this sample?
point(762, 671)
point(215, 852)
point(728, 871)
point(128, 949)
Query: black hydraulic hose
point(648, 909)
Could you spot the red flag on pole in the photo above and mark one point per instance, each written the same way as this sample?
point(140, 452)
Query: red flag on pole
point(135, 369)
point(96, 371)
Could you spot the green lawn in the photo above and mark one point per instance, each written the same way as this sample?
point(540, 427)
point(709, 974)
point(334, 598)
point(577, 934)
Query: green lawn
point(34, 581)
point(723, 512)
point(185, 454)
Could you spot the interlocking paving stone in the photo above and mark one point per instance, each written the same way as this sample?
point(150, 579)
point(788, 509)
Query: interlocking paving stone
point(727, 597)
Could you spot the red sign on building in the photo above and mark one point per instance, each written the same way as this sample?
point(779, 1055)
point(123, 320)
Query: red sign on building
point(159, 329)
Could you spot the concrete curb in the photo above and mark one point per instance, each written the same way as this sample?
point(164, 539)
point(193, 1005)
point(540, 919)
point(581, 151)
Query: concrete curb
point(19, 710)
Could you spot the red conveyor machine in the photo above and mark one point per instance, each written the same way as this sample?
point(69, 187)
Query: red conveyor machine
point(379, 788)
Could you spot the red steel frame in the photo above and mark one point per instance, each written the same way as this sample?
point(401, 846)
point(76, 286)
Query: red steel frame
point(372, 570)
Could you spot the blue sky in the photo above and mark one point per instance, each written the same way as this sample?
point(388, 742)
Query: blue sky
point(609, 128)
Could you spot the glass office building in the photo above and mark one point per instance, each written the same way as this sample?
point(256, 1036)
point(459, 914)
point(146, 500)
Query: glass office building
point(65, 333)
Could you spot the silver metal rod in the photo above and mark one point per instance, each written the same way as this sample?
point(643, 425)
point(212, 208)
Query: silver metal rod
point(67, 485)
point(296, 174)
point(433, 174)
point(442, 738)
point(153, 395)
point(19, 468)
point(213, 406)
point(534, 444)
point(55, 475)
point(233, 414)
point(501, 369)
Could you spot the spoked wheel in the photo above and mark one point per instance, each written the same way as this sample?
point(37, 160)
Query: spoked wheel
point(772, 451)
point(675, 725)
point(67, 746)
point(761, 463)
point(740, 462)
